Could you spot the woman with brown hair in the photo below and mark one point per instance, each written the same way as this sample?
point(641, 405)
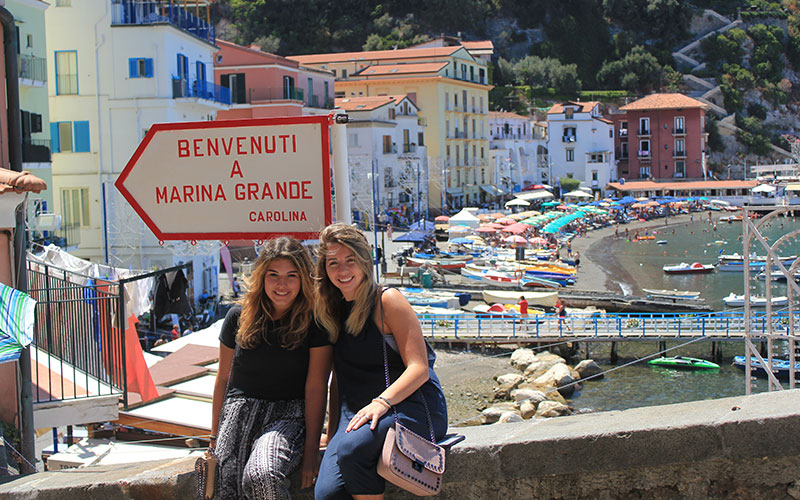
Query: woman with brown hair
point(275, 362)
point(362, 321)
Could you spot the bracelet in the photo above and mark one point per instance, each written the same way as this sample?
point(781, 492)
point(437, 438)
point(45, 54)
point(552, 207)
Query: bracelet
point(382, 400)
point(212, 437)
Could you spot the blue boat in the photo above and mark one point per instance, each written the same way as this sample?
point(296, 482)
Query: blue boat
point(780, 367)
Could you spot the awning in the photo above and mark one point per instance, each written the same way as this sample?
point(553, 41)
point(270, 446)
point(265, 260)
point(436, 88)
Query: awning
point(454, 191)
point(763, 188)
point(793, 187)
point(535, 195)
point(492, 190)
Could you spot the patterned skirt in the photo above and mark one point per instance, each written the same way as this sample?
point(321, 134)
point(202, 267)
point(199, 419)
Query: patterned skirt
point(260, 444)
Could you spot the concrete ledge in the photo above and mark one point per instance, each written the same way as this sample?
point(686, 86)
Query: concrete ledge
point(742, 447)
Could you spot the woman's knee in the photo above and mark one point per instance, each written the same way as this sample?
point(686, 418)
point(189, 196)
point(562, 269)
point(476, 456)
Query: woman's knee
point(264, 483)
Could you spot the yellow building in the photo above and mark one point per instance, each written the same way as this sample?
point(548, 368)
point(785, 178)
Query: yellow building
point(451, 88)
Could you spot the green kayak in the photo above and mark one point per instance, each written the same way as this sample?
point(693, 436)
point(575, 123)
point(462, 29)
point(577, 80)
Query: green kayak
point(683, 363)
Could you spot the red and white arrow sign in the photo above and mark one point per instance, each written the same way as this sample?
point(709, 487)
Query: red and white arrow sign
point(232, 179)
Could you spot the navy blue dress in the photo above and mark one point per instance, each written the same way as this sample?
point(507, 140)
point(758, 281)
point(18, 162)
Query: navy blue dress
point(349, 466)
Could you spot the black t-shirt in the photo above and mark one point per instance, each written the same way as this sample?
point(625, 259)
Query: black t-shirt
point(269, 371)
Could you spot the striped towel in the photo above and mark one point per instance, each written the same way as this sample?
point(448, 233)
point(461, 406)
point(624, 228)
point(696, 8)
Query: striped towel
point(16, 322)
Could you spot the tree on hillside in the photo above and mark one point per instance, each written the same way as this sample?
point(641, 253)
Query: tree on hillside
point(547, 73)
point(639, 71)
point(766, 61)
point(393, 33)
point(663, 21)
point(724, 48)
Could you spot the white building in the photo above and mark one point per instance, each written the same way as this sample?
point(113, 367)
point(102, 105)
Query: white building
point(581, 144)
point(518, 150)
point(387, 156)
point(119, 67)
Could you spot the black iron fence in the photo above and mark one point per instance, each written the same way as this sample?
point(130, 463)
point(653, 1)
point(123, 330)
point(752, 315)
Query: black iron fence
point(78, 348)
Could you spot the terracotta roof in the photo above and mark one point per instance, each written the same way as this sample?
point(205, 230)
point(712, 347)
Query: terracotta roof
point(367, 103)
point(401, 69)
point(583, 107)
point(375, 55)
point(255, 51)
point(681, 185)
point(478, 45)
point(507, 114)
point(604, 120)
point(664, 101)
point(20, 182)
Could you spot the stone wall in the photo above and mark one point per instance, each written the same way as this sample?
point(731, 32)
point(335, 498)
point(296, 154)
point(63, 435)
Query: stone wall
point(741, 447)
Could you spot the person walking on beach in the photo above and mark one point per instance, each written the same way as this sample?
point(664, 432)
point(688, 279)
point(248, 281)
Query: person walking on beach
point(269, 396)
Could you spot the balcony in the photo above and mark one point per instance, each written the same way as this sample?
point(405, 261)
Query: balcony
point(644, 155)
point(68, 236)
point(679, 154)
point(387, 150)
point(644, 132)
point(138, 12)
point(318, 101)
point(568, 138)
point(409, 148)
point(32, 70)
point(623, 132)
point(679, 131)
point(36, 151)
point(200, 89)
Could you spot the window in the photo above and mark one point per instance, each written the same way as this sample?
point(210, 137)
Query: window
point(447, 101)
point(594, 175)
point(680, 169)
point(236, 83)
point(596, 158)
point(406, 141)
point(644, 148)
point(473, 104)
point(344, 73)
point(466, 155)
point(311, 92)
point(464, 101)
point(472, 77)
point(458, 158)
point(75, 206)
point(481, 102)
point(680, 147)
point(568, 113)
point(200, 72)
point(420, 139)
point(570, 154)
point(387, 144)
point(30, 41)
point(288, 87)
point(387, 177)
point(624, 150)
point(69, 136)
point(392, 113)
point(679, 125)
point(447, 128)
point(464, 76)
point(63, 3)
point(644, 172)
point(483, 176)
point(570, 134)
point(140, 67)
point(644, 126)
point(334, 73)
point(474, 149)
point(482, 74)
point(326, 95)
point(447, 149)
point(481, 151)
point(66, 72)
point(474, 134)
point(455, 100)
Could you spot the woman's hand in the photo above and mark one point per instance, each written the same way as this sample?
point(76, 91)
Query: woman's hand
point(309, 467)
point(370, 413)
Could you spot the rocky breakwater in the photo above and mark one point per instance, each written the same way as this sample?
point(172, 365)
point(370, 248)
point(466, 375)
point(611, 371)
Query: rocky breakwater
point(537, 389)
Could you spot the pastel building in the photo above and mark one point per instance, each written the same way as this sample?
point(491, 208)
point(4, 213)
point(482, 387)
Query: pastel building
point(662, 136)
point(581, 144)
point(519, 150)
point(118, 67)
point(387, 156)
point(450, 86)
point(29, 17)
point(263, 84)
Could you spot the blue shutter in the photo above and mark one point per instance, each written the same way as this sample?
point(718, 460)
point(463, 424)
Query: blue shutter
point(55, 144)
point(81, 137)
point(148, 67)
point(133, 68)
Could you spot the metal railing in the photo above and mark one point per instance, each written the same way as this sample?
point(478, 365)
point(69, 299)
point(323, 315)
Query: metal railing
point(36, 151)
point(141, 12)
point(78, 336)
point(69, 236)
point(32, 68)
point(724, 325)
point(200, 89)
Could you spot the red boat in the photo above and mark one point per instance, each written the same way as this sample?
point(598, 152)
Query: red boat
point(684, 268)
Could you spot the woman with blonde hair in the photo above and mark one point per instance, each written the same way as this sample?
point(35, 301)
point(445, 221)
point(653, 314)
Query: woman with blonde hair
point(365, 322)
point(271, 387)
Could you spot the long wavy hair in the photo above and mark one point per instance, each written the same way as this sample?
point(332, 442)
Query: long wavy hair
point(258, 310)
point(328, 306)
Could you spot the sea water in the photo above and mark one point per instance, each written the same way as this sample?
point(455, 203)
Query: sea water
point(631, 382)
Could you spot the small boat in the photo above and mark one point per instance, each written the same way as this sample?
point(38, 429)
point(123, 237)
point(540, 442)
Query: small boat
point(546, 299)
point(734, 300)
point(646, 238)
point(684, 268)
point(445, 263)
point(735, 262)
point(777, 276)
point(671, 294)
point(683, 363)
point(780, 367)
point(661, 242)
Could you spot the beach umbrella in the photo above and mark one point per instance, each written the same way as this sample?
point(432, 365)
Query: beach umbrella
point(578, 194)
point(459, 229)
point(486, 229)
point(485, 217)
point(494, 225)
point(498, 215)
point(415, 236)
point(517, 202)
point(529, 213)
point(517, 217)
point(550, 204)
point(474, 237)
point(505, 221)
point(462, 241)
point(442, 218)
point(626, 200)
point(16, 322)
point(538, 241)
point(533, 187)
point(515, 239)
point(515, 228)
point(562, 207)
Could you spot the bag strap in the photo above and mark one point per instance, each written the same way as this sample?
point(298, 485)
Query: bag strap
point(386, 373)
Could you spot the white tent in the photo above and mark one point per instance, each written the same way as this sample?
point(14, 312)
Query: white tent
point(763, 188)
point(578, 194)
point(464, 218)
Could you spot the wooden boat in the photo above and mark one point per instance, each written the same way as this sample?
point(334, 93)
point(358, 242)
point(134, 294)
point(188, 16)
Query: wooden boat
point(444, 263)
point(684, 268)
point(735, 262)
point(672, 294)
point(546, 299)
point(683, 363)
point(734, 300)
point(780, 367)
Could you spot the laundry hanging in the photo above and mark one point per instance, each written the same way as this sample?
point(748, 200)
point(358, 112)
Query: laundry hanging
point(170, 294)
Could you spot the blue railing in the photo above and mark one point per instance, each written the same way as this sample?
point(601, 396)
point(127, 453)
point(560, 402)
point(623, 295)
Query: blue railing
point(156, 12)
point(202, 89)
point(630, 326)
